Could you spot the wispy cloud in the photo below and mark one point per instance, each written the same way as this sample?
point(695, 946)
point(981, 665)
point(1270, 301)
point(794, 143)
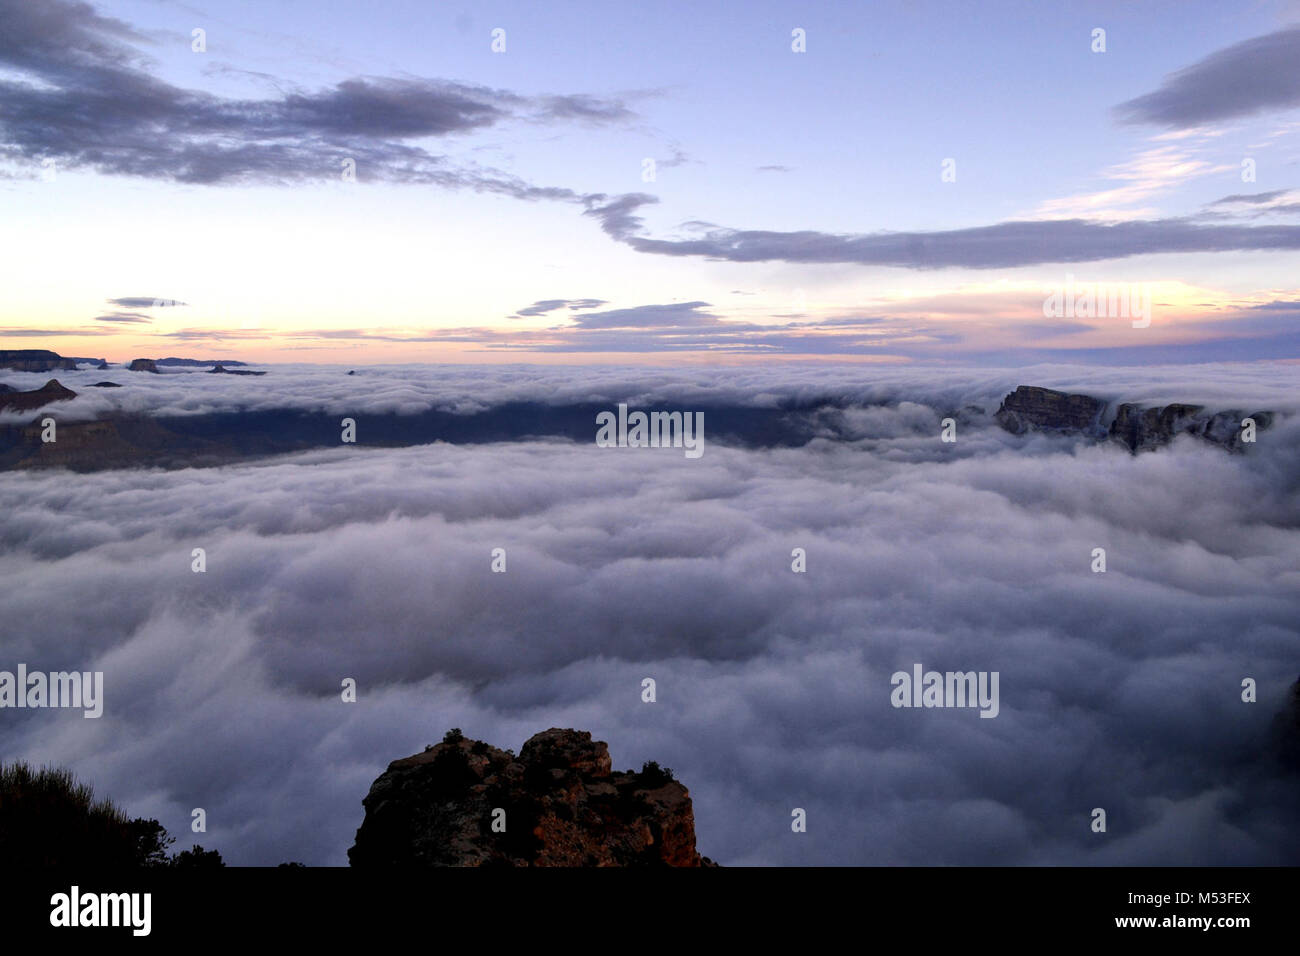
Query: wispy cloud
point(1152, 173)
point(999, 246)
point(125, 317)
point(146, 302)
point(543, 306)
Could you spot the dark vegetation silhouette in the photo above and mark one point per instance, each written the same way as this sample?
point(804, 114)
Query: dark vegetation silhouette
point(49, 819)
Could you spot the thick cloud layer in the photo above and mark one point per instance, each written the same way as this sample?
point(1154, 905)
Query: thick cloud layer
point(1118, 690)
point(467, 389)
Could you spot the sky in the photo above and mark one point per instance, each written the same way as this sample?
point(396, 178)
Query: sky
point(673, 183)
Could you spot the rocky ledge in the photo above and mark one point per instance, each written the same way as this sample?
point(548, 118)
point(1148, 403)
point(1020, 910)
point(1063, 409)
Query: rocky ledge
point(1030, 408)
point(466, 803)
point(51, 391)
point(35, 360)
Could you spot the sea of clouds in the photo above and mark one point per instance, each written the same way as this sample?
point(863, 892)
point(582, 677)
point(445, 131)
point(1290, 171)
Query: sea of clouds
point(467, 389)
point(1119, 690)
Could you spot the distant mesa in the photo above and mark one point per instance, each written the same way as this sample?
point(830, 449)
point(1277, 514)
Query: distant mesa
point(197, 363)
point(51, 391)
point(466, 803)
point(105, 385)
point(222, 370)
point(352, 372)
point(101, 366)
point(143, 365)
point(91, 361)
point(1030, 408)
point(35, 360)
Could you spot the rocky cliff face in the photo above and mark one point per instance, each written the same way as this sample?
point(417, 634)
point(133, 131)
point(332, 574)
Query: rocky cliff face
point(35, 360)
point(143, 365)
point(562, 803)
point(51, 391)
point(1030, 408)
point(119, 442)
point(1145, 428)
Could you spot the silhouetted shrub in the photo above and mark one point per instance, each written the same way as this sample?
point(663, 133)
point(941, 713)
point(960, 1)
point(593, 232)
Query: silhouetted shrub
point(197, 859)
point(151, 842)
point(49, 819)
point(653, 775)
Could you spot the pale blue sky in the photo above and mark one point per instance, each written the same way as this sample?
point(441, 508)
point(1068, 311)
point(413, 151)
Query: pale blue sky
point(859, 124)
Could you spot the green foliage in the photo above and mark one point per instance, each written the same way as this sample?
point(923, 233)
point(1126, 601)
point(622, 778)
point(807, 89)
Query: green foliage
point(453, 736)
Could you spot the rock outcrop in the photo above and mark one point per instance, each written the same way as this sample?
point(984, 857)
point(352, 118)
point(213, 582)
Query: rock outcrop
point(559, 802)
point(1030, 408)
point(220, 369)
point(35, 360)
point(1145, 428)
point(51, 391)
point(143, 365)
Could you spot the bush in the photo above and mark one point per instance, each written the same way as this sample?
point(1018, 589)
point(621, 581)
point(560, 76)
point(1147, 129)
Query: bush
point(653, 775)
point(151, 842)
point(48, 819)
point(197, 859)
point(453, 736)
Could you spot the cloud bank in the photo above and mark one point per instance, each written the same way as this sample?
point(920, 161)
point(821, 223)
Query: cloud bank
point(1244, 79)
point(77, 90)
point(1119, 690)
point(471, 389)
